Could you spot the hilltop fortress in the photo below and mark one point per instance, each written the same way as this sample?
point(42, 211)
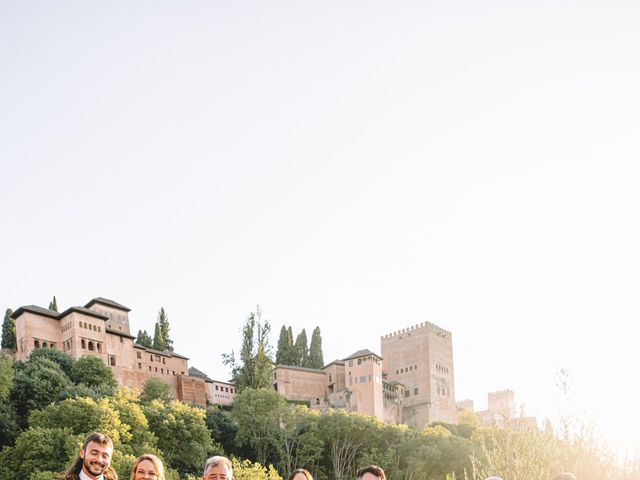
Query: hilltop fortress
point(411, 382)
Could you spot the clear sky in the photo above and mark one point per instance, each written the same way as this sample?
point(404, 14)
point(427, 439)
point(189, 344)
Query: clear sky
point(362, 166)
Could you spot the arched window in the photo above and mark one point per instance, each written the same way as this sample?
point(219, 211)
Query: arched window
point(82, 343)
point(44, 344)
point(90, 345)
point(36, 344)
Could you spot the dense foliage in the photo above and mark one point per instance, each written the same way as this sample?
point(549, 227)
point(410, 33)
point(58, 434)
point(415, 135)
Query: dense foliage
point(45, 414)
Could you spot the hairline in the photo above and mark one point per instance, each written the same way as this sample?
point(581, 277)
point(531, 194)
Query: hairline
point(218, 460)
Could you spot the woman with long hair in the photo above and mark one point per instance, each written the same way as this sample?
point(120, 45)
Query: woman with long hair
point(300, 474)
point(147, 466)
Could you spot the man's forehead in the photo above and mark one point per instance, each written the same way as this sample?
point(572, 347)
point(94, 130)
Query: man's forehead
point(98, 446)
point(219, 468)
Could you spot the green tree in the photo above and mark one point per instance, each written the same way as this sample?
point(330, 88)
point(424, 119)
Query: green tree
point(9, 331)
point(299, 438)
point(253, 370)
point(81, 416)
point(39, 450)
point(144, 339)
point(53, 304)
point(182, 434)
point(258, 412)
point(8, 419)
point(316, 359)
point(37, 383)
point(344, 437)
point(284, 352)
point(6, 376)
point(158, 340)
point(8, 424)
point(64, 361)
point(223, 429)
point(92, 371)
point(156, 389)
point(302, 350)
point(163, 321)
point(245, 470)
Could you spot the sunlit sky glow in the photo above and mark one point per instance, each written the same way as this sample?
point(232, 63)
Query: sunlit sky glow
point(361, 166)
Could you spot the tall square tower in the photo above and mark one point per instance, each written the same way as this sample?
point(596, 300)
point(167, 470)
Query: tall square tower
point(421, 358)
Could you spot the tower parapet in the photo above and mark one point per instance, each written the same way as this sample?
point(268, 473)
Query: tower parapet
point(420, 326)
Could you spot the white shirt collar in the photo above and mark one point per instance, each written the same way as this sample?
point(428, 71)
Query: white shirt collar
point(84, 476)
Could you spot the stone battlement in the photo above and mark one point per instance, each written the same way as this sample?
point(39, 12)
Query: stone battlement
point(420, 326)
point(501, 392)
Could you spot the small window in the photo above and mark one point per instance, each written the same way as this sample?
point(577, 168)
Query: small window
point(151, 357)
point(163, 360)
point(36, 344)
point(91, 346)
point(350, 380)
point(415, 367)
point(82, 343)
point(139, 365)
point(415, 391)
point(139, 354)
point(162, 370)
point(99, 347)
point(363, 378)
point(44, 344)
point(351, 363)
point(99, 329)
point(112, 360)
point(406, 392)
point(156, 369)
point(149, 367)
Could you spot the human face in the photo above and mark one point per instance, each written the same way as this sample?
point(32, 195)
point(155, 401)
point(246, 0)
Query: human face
point(95, 458)
point(369, 476)
point(217, 472)
point(146, 469)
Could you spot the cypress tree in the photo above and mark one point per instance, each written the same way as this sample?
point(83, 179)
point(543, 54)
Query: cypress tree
point(316, 359)
point(163, 320)
point(302, 350)
point(53, 304)
point(158, 341)
point(144, 339)
point(284, 347)
point(9, 331)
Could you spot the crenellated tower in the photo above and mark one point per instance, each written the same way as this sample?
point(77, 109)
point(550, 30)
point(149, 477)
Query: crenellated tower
point(421, 358)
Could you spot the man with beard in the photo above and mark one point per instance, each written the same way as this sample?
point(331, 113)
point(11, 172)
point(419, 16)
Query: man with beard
point(94, 459)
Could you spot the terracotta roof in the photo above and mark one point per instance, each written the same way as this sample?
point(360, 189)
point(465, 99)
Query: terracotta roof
point(35, 309)
point(363, 353)
point(108, 303)
point(194, 372)
point(84, 311)
point(159, 352)
point(337, 362)
point(119, 333)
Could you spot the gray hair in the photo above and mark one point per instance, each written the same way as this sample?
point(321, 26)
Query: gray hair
point(218, 460)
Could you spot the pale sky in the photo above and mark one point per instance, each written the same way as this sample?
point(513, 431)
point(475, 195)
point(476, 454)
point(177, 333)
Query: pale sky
point(361, 166)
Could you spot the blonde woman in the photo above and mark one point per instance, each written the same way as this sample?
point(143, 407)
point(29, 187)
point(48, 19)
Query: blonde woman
point(147, 467)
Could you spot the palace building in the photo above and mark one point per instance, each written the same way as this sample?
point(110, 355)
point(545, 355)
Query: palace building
point(101, 329)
